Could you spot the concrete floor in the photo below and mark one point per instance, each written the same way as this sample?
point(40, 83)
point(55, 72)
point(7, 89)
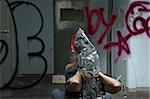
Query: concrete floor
point(43, 89)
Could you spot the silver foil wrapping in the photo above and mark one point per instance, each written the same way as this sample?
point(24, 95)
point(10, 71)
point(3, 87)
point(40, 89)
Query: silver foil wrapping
point(88, 62)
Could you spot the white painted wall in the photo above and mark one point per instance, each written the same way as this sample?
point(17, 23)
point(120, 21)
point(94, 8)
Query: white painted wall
point(137, 65)
point(138, 62)
point(148, 64)
point(134, 68)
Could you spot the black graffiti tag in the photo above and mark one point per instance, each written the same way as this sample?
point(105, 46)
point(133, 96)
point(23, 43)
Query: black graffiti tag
point(3, 47)
point(12, 6)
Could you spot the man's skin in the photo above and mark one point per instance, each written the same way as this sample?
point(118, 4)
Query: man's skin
point(74, 83)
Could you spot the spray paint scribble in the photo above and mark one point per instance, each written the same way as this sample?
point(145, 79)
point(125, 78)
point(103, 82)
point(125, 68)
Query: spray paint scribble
point(92, 29)
point(12, 7)
point(136, 18)
point(3, 47)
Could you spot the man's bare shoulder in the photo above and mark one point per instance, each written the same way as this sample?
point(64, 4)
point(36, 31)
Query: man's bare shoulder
point(70, 65)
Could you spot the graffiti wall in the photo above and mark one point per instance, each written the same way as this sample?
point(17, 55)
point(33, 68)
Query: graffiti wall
point(31, 34)
point(129, 27)
point(136, 21)
point(35, 33)
point(96, 16)
point(31, 39)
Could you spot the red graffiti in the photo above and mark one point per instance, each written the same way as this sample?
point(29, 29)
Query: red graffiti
point(136, 24)
point(136, 16)
point(99, 13)
point(122, 41)
point(121, 44)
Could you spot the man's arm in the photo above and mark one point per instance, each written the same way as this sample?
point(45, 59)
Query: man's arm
point(111, 85)
point(73, 83)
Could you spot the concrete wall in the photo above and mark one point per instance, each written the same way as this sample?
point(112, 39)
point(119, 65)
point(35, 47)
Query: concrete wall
point(28, 44)
point(30, 23)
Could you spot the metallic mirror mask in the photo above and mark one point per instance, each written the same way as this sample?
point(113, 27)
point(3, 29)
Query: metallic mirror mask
point(87, 55)
point(88, 63)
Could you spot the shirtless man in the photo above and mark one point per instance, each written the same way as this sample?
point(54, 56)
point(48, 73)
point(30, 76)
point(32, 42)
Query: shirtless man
point(82, 47)
point(75, 80)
